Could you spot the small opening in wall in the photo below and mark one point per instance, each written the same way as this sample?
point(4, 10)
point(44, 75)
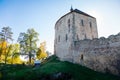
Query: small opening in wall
point(107, 70)
point(68, 25)
point(59, 38)
point(81, 56)
point(77, 37)
point(90, 24)
point(82, 23)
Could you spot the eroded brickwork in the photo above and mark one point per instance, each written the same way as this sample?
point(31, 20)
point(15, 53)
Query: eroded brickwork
point(99, 54)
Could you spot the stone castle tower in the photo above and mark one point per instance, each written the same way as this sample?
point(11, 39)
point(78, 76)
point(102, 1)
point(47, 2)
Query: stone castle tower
point(76, 41)
point(73, 26)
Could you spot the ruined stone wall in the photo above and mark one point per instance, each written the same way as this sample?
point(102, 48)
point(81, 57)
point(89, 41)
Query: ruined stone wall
point(99, 54)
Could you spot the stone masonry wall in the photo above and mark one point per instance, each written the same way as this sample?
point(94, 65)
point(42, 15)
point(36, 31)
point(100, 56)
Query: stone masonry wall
point(99, 54)
point(62, 45)
point(73, 32)
point(85, 31)
point(69, 29)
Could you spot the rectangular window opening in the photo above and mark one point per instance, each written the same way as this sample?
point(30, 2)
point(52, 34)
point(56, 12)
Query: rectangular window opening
point(82, 23)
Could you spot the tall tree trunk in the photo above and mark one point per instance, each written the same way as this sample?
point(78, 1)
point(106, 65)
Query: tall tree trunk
point(6, 55)
point(30, 55)
point(30, 58)
point(12, 60)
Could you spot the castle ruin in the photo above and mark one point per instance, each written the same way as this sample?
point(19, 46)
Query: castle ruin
point(76, 41)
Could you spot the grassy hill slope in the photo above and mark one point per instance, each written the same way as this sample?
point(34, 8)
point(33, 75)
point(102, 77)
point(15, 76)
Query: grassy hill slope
point(51, 66)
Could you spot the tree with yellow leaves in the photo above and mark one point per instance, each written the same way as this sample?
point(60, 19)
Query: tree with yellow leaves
point(3, 50)
point(15, 56)
point(5, 35)
point(10, 53)
point(41, 53)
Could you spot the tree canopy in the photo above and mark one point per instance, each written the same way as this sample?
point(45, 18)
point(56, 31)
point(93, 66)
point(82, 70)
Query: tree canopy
point(28, 42)
point(6, 33)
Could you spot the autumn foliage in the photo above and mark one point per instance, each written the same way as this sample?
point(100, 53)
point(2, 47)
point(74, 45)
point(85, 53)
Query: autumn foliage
point(41, 53)
point(3, 47)
point(10, 53)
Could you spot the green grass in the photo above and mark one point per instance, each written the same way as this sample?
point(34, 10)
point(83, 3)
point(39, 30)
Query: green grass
point(50, 66)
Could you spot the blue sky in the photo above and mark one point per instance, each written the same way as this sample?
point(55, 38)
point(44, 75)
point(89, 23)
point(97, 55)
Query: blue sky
point(43, 14)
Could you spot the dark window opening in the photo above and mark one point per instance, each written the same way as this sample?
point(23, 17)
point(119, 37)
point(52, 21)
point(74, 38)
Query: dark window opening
point(81, 56)
point(59, 38)
point(69, 25)
point(82, 23)
point(77, 37)
point(90, 25)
